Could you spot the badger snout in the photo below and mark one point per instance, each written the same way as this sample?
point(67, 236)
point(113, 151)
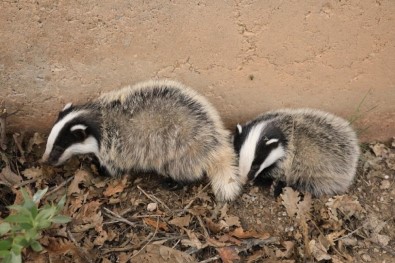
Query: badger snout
point(48, 160)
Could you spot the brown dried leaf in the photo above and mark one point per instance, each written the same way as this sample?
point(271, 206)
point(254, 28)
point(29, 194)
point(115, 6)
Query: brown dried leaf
point(9, 178)
point(193, 241)
point(162, 254)
point(89, 216)
point(304, 207)
point(227, 238)
point(33, 173)
point(240, 233)
point(228, 254)
point(334, 235)
point(318, 251)
point(156, 224)
point(101, 237)
point(289, 246)
point(213, 227)
point(80, 176)
point(380, 150)
point(215, 243)
point(58, 245)
point(290, 201)
point(294, 205)
point(37, 139)
point(232, 221)
point(115, 187)
point(181, 221)
point(348, 205)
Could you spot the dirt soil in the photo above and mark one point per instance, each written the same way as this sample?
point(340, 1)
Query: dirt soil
point(133, 219)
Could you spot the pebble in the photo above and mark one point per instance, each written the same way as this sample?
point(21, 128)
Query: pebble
point(152, 207)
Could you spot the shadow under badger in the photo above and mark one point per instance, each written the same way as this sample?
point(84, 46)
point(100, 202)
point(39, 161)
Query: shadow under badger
point(156, 125)
point(307, 149)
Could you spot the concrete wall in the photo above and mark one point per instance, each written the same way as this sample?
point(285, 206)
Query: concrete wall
point(245, 56)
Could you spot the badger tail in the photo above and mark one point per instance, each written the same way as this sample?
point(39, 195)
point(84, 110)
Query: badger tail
point(223, 174)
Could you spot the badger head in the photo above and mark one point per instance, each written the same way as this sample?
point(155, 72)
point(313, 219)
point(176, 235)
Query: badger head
point(74, 132)
point(258, 145)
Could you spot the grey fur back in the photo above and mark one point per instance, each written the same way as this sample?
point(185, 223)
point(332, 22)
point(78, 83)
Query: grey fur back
point(321, 152)
point(167, 127)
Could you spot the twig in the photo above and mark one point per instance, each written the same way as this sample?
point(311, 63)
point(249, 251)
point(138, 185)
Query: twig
point(193, 200)
point(149, 241)
point(23, 183)
point(155, 199)
point(118, 217)
point(248, 245)
point(349, 234)
point(210, 259)
point(82, 251)
point(59, 186)
point(206, 234)
point(134, 247)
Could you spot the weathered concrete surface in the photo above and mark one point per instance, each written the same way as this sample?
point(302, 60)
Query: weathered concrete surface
point(245, 56)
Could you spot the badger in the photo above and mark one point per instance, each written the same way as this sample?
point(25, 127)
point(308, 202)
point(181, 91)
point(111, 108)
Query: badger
point(157, 125)
point(306, 149)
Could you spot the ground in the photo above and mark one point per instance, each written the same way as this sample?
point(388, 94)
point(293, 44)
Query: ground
point(134, 219)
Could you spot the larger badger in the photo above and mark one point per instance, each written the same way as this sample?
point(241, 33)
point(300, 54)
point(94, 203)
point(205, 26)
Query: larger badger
point(159, 126)
point(307, 149)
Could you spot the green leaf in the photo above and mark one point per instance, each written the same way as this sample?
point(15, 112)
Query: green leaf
point(17, 249)
point(5, 244)
point(36, 246)
point(18, 219)
point(4, 228)
point(43, 224)
point(13, 258)
point(61, 203)
point(45, 214)
point(20, 210)
point(39, 194)
point(4, 253)
point(31, 234)
point(60, 219)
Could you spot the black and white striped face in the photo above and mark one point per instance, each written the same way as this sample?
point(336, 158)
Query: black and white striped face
point(258, 145)
point(70, 135)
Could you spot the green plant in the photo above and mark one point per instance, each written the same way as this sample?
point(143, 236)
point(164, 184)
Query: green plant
point(23, 228)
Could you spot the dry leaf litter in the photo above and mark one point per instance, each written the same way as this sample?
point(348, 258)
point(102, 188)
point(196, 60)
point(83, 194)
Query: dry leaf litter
point(133, 219)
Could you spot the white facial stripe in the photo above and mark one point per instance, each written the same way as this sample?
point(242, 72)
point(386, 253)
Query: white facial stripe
point(78, 127)
point(247, 151)
point(68, 105)
point(274, 156)
point(89, 145)
point(56, 130)
point(271, 141)
point(239, 128)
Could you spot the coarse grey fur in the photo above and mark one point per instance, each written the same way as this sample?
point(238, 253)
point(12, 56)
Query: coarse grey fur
point(156, 125)
point(317, 151)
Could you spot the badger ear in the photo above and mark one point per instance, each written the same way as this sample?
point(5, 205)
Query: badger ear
point(67, 106)
point(271, 141)
point(239, 129)
point(79, 131)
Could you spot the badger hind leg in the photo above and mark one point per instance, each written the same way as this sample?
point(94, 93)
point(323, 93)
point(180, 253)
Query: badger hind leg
point(223, 174)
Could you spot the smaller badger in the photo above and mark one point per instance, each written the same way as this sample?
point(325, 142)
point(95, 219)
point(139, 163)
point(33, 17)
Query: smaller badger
point(159, 126)
point(306, 149)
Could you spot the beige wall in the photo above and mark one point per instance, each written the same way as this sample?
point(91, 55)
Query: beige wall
point(245, 56)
